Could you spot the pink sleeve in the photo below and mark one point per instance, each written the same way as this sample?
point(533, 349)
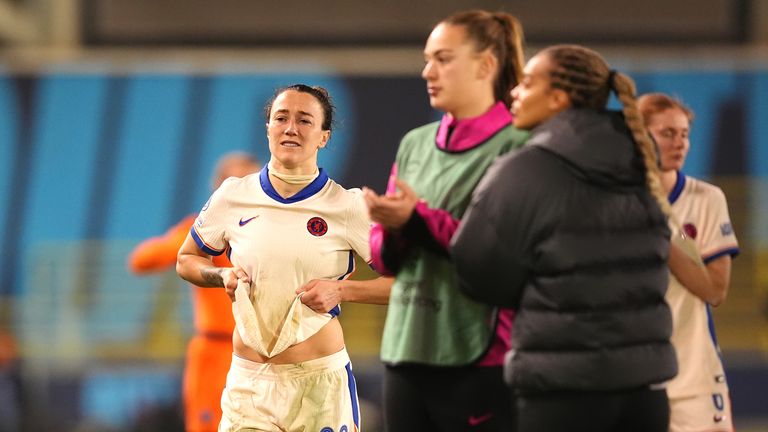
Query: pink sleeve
point(502, 340)
point(378, 233)
point(441, 224)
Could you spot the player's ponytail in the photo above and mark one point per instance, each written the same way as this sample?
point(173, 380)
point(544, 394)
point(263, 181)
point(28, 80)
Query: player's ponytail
point(587, 79)
point(503, 35)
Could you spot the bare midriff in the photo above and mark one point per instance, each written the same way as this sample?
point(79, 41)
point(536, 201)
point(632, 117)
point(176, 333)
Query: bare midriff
point(329, 340)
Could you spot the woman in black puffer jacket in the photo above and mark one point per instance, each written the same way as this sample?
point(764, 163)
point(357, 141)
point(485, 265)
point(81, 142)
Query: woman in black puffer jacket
point(571, 231)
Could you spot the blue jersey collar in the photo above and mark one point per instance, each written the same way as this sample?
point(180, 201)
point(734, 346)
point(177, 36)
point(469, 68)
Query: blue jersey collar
point(678, 189)
point(308, 191)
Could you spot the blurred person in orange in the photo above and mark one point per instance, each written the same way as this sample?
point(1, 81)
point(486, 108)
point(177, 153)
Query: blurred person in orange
point(210, 350)
point(10, 409)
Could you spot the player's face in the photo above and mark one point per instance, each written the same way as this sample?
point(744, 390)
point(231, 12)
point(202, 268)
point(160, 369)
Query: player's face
point(533, 99)
point(451, 66)
point(670, 129)
point(295, 132)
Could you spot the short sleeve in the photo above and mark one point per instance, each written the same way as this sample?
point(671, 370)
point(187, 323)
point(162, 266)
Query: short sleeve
point(717, 236)
point(359, 225)
point(209, 229)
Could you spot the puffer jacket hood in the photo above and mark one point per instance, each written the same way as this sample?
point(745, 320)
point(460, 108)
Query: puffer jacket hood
point(602, 152)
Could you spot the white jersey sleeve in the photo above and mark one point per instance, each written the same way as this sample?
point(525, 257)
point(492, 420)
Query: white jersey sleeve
point(359, 225)
point(209, 229)
point(717, 235)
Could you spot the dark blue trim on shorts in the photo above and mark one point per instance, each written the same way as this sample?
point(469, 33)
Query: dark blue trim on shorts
point(353, 395)
point(308, 191)
point(678, 189)
point(201, 244)
point(335, 311)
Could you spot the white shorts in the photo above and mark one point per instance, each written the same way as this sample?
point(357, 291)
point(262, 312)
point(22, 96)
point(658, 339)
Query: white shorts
point(701, 413)
point(318, 395)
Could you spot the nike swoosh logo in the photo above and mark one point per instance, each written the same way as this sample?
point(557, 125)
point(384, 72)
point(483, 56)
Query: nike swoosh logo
point(243, 222)
point(476, 420)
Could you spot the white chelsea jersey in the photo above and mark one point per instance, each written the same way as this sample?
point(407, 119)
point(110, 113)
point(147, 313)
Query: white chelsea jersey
point(283, 243)
point(702, 211)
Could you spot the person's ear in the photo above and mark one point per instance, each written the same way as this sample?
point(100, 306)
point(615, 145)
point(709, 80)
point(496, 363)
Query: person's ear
point(559, 100)
point(324, 140)
point(488, 65)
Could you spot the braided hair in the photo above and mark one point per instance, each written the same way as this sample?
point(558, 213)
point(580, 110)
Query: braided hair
point(588, 80)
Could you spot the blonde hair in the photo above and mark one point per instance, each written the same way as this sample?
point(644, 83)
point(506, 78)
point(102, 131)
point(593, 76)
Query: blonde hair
point(588, 80)
point(654, 103)
point(503, 35)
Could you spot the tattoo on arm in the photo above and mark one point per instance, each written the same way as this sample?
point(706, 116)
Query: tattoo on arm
point(212, 276)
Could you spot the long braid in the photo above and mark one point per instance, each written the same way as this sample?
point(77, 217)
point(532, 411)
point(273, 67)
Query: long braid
point(626, 93)
point(585, 76)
